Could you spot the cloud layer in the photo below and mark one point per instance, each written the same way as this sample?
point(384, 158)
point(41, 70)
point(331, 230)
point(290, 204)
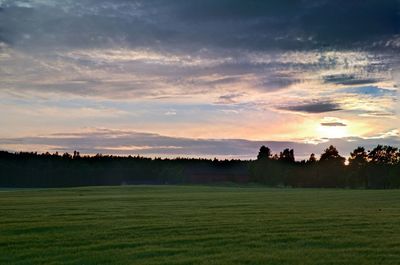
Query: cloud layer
point(149, 144)
point(256, 25)
point(254, 70)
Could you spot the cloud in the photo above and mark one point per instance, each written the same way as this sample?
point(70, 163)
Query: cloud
point(313, 107)
point(149, 144)
point(122, 73)
point(277, 81)
point(170, 113)
point(257, 59)
point(189, 25)
point(349, 79)
point(228, 98)
point(379, 114)
point(333, 124)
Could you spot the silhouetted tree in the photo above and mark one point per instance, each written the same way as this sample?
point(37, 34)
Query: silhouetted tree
point(383, 168)
point(378, 168)
point(312, 159)
point(385, 155)
point(264, 153)
point(358, 158)
point(331, 154)
point(76, 155)
point(331, 168)
point(67, 156)
point(358, 161)
point(287, 156)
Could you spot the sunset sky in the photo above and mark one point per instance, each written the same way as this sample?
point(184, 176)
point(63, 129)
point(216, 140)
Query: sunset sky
point(198, 78)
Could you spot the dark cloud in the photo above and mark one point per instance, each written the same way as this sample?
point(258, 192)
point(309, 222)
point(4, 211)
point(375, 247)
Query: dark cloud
point(293, 24)
point(345, 79)
point(229, 98)
point(313, 107)
point(228, 38)
point(252, 25)
point(277, 81)
point(352, 22)
point(333, 124)
point(2, 32)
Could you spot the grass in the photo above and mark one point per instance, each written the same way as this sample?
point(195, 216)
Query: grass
point(199, 225)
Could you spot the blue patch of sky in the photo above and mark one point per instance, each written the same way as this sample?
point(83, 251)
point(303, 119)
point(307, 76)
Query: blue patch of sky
point(369, 90)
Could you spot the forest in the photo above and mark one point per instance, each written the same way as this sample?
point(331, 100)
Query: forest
point(378, 168)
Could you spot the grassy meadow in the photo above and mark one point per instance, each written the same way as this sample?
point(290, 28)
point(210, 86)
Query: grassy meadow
point(199, 225)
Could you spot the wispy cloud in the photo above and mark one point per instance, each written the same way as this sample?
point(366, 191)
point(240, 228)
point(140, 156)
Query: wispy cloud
point(229, 98)
point(333, 124)
point(313, 107)
point(349, 79)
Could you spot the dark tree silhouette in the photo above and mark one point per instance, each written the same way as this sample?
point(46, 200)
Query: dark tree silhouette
point(358, 161)
point(312, 159)
point(264, 153)
point(67, 156)
point(287, 155)
point(331, 168)
point(76, 155)
point(384, 155)
point(383, 167)
point(378, 168)
point(358, 158)
point(331, 154)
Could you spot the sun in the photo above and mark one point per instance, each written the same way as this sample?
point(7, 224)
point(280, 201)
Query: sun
point(332, 131)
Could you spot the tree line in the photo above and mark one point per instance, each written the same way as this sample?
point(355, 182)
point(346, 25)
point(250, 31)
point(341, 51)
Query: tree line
point(378, 168)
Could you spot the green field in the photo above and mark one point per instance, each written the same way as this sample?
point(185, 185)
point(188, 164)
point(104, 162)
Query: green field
point(199, 225)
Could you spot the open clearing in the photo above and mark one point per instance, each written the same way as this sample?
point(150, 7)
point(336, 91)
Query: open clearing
point(199, 225)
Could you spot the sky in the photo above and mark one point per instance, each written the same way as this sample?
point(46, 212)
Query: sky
point(198, 78)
